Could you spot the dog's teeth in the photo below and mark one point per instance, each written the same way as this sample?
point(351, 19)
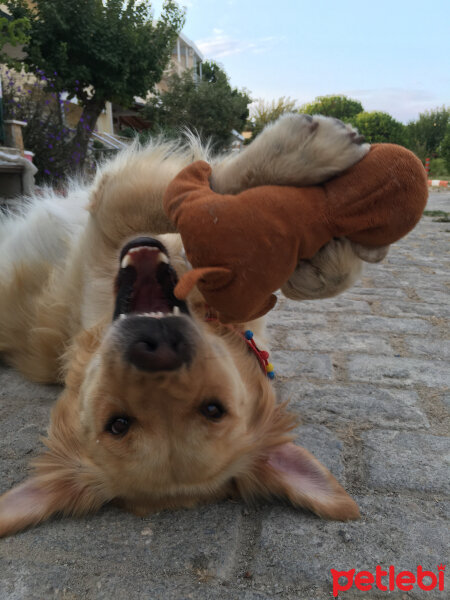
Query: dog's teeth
point(163, 258)
point(139, 248)
point(125, 261)
point(176, 311)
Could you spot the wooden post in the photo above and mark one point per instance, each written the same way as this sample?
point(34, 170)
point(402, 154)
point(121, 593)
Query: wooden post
point(13, 134)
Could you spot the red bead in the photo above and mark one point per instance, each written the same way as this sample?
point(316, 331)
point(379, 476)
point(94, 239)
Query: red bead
point(264, 355)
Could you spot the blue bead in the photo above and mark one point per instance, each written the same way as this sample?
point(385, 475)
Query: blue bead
point(248, 334)
point(271, 375)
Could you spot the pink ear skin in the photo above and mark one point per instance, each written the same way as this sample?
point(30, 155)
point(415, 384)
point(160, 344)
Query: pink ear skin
point(25, 505)
point(291, 472)
point(40, 497)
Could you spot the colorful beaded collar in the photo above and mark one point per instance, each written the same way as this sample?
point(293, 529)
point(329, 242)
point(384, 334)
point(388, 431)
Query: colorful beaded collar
point(247, 336)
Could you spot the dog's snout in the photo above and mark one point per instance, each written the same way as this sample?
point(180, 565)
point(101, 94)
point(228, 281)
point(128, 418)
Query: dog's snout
point(154, 345)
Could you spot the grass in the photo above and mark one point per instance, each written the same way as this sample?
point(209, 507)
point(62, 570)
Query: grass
point(442, 216)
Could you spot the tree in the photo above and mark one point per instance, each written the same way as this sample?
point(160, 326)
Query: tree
point(98, 51)
point(425, 135)
point(264, 112)
point(339, 107)
point(209, 106)
point(445, 148)
point(379, 127)
point(13, 32)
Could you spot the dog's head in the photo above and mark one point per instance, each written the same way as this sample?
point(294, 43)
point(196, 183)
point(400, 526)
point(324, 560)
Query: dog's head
point(162, 409)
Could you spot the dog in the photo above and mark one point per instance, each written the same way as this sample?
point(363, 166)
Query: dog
point(163, 406)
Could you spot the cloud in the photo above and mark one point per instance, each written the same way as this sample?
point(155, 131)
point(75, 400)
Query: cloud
point(221, 44)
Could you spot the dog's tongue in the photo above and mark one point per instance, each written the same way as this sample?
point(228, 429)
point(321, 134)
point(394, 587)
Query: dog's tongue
point(148, 295)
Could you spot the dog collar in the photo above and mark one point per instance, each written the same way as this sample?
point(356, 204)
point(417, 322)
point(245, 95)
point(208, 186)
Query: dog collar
point(247, 336)
point(261, 355)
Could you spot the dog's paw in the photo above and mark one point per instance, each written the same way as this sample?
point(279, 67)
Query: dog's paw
point(313, 149)
point(330, 272)
point(295, 150)
point(370, 255)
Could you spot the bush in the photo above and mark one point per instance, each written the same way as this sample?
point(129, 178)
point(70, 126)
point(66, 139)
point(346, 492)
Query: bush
point(445, 149)
point(46, 133)
point(208, 106)
point(339, 107)
point(438, 168)
point(379, 127)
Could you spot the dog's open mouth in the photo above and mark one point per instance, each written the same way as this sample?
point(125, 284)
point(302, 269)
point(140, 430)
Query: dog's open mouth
point(146, 281)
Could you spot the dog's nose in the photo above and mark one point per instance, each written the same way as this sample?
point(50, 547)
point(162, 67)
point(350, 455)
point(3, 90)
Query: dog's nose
point(156, 345)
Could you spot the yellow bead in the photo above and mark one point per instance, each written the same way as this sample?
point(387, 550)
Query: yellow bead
point(269, 367)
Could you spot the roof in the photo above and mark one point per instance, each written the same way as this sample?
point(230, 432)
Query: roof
point(190, 43)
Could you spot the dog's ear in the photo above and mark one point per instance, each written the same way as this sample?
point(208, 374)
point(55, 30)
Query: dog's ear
point(291, 472)
point(64, 481)
point(61, 484)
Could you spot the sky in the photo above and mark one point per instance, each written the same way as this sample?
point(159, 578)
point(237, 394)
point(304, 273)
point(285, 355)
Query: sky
point(392, 56)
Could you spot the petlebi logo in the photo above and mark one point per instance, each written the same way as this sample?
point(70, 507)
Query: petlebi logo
point(388, 581)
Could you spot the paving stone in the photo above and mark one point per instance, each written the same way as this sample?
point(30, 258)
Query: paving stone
point(171, 542)
point(432, 296)
point(401, 460)
point(343, 303)
point(25, 580)
point(337, 341)
point(297, 319)
point(398, 371)
point(389, 325)
point(359, 404)
point(438, 349)
point(293, 364)
point(297, 549)
point(413, 309)
point(371, 294)
point(325, 446)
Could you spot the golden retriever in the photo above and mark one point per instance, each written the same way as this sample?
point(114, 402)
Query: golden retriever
point(162, 407)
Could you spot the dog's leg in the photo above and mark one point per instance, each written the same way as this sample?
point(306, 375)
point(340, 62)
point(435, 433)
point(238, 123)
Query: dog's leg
point(295, 150)
point(304, 150)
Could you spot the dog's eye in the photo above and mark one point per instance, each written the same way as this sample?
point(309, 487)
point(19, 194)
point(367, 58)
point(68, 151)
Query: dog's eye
point(118, 425)
point(212, 409)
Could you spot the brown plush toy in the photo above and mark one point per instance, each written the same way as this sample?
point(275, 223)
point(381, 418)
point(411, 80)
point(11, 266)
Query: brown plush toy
point(244, 247)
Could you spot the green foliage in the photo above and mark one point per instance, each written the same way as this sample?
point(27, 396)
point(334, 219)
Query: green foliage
point(379, 127)
point(424, 136)
point(438, 169)
point(98, 51)
point(264, 112)
point(339, 107)
point(109, 49)
point(209, 106)
point(15, 33)
point(445, 149)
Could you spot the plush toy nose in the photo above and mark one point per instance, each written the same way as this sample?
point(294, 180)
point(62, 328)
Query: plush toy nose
point(158, 344)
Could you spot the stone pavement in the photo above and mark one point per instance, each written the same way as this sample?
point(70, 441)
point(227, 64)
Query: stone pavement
point(368, 373)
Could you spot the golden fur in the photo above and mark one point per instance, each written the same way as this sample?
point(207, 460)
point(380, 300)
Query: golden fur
point(56, 306)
